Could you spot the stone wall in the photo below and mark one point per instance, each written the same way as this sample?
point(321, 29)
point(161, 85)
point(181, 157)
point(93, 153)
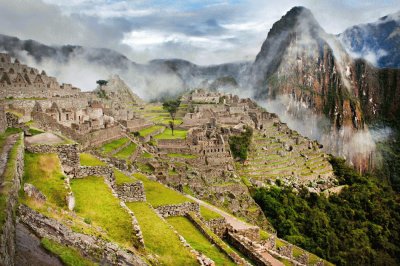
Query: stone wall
point(178, 209)
point(7, 232)
point(3, 120)
point(219, 226)
point(148, 137)
point(104, 171)
point(97, 138)
point(67, 153)
point(93, 247)
point(247, 248)
point(131, 192)
point(48, 123)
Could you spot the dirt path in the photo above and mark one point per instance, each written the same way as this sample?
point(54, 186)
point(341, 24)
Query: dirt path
point(238, 225)
point(233, 221)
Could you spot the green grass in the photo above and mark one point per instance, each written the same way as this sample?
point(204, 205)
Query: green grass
point(69, 256)
point(8, 177)
point(198, 241)
point(121, 178)
point(34, 131)
point(159, 237)
point(181, 155)
point(147, 155)
point(89, 160)
point(113, 145)
point(147, 131)
point(44, 172)
point(144, 168)
point(264, 235)
point(126, 152)
point(167, 134)
point(208, 214)
point(159, 195)
point(94, 201)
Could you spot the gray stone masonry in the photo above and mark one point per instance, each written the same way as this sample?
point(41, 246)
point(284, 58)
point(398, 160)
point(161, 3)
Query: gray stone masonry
point(99, 249)
point(178, 209)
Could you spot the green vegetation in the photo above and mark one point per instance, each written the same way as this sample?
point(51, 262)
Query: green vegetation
point(149, 130)
point(168, 134)
point(159, 238)
point(181, 155)
point(198, 241)
point(147, 155)
point(68, 255)
point(172, 107)
point(121, 178)
point(208, 214)
point(359, 226)
point(145, 168)
point(159, 195)
point(126, 152)
point(8, 177)
point(95, 201)
point(89, 160)
point(44, 172)
point(34, 131)
point(113, 145)
point(240, 144)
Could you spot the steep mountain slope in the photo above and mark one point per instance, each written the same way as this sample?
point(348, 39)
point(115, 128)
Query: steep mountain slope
point(310, 79)
point(378, 42)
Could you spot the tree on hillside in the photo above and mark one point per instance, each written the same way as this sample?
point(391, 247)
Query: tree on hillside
point(102, 82)
point(240, 144)
point(171, 106)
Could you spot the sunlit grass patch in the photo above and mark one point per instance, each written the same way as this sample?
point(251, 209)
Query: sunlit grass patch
point(167, 134)
point(90, 160)
point(126, 152)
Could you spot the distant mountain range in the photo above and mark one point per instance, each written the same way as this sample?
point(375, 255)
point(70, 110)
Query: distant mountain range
point(378, 41)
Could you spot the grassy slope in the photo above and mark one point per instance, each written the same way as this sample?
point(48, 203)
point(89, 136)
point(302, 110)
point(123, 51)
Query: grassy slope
point(198, 241)
point(126, 152)
point(159, 195)
point(44, 172)
point(167, 134)
point(68, 255)
point(95, 202)
point(208, 214)
point(121, 178)
point(159, 238)
point(147, 131)
point(109, 147)
point(89, 160)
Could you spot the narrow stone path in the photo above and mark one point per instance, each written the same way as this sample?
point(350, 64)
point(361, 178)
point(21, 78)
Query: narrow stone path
point(4, 154)
point(233, 221)
point(238, 225)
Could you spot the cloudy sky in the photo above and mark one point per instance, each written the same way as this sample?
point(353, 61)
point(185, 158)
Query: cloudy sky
point(202, 31)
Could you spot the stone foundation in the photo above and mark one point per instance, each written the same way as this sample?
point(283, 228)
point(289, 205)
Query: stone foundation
point(3, 120)
point(178, 209)
point(7, 233)
point(131, 192)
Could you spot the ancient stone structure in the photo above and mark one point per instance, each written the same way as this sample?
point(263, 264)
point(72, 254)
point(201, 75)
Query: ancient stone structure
point(3, 119)
point(130, 192)
point(67, 153)
point(90, 246)
point(178, 209)
point(7, 232)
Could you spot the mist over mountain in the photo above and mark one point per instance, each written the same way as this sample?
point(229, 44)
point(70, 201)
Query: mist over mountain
point(377, 42)
point(152, 80)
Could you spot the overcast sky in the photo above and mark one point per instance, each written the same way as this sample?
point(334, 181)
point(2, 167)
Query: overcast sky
point(202, 31)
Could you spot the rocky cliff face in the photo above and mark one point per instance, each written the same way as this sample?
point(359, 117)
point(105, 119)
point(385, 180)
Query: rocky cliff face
point(311, 69)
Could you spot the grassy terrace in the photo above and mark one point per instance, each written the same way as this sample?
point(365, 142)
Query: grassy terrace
point(8, 176)
point(113, 145)
point(126, 152)
point(159, 238)
point(44, 172)
point(96, 204)
point(198, 241)
point(208, 214)
point(159, 195)
point(121, 178)
point(89, 160)
point(149, 130)
point(69, 256)
point(167, 134)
